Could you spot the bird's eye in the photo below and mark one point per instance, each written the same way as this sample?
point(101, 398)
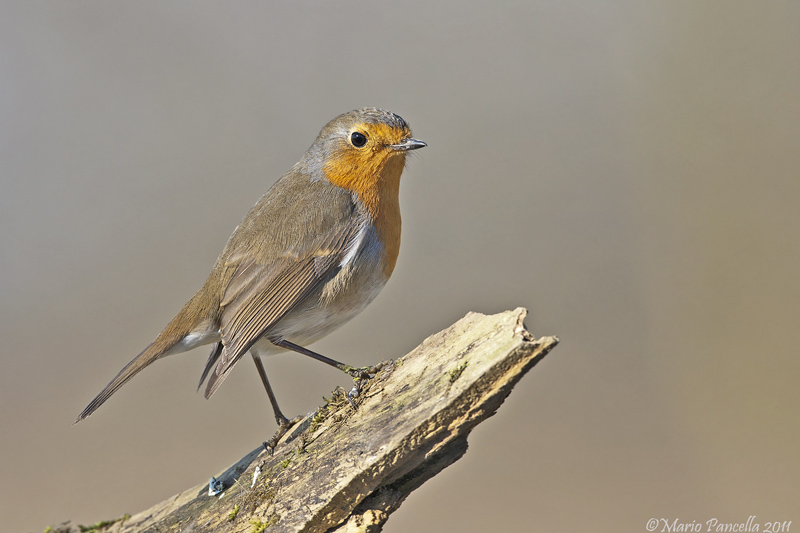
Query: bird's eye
point(358, 139)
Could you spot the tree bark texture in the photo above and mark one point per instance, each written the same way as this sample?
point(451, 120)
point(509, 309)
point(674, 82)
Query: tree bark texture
point(346, 470)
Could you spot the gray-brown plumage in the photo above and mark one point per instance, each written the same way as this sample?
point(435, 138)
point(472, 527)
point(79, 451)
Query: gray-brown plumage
point(310, 255)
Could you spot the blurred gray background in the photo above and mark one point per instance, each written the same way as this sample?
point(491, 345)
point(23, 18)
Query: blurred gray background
point(628, 171)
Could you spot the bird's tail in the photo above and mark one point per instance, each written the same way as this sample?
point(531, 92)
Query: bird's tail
point(171, 340)
point(150, 354)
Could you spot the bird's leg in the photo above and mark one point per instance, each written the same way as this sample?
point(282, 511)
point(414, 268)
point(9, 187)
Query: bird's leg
point(359, 374)
point(283, 423)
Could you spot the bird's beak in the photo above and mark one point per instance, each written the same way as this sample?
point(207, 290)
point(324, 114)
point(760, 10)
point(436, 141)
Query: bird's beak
point(408, 144)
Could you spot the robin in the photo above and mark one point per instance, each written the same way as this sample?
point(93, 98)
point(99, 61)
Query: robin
point(309, 256)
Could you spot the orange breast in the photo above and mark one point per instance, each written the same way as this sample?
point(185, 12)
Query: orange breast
point(376, 181)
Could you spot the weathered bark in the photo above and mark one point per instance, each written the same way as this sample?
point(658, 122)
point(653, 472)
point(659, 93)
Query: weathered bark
point(345, 470)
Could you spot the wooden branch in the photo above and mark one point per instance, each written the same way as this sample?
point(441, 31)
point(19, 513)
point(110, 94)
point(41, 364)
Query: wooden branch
point(344, 470)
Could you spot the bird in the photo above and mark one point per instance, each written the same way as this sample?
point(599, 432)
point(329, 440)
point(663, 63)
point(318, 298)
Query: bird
point(310, 255)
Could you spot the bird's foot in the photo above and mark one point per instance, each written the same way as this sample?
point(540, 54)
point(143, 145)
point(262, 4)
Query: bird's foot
point(284, 425)
point(362, 373)
point(360, 376)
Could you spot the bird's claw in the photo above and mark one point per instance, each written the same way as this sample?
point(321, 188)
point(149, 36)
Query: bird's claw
point(355, 391)
point(363, 373)
point(360, 376)
point(284, 425)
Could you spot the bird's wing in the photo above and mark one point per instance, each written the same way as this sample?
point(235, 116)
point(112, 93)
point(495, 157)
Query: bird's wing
point(260, 294)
